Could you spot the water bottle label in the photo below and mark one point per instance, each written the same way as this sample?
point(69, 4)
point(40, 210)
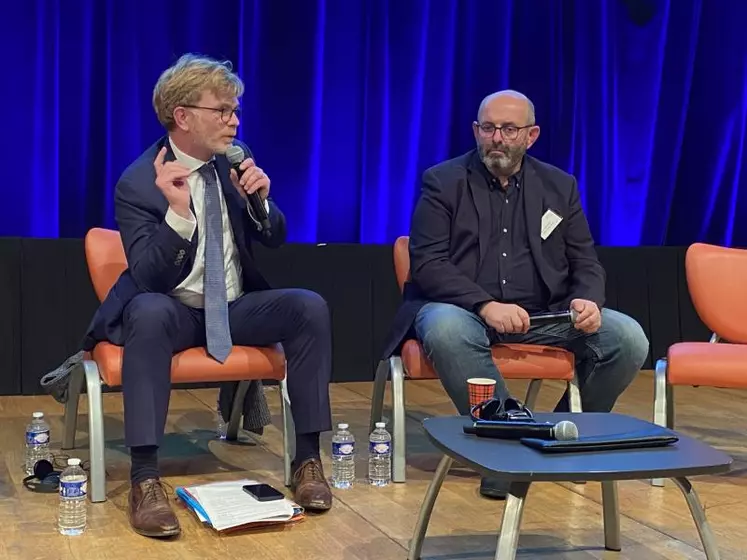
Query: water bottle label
point(343, 448)
point(379, 447)
point(37, 438)
point(75, 489)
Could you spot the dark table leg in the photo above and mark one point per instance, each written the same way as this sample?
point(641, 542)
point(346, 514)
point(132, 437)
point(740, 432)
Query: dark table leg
point(416, 544)
point(696, 510)
point(611, 510)
point(508, 541)
point(377, 399)
point(234, 421)
point(74, 389)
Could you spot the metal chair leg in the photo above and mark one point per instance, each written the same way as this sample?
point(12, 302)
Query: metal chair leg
point(701, 522)
point(662, 416)
point(611, 509)
point(232, 430)
point(670, 406)
point(421, 526)
point(288, 431)
point(399, 447)
point(97, 483)
point(574, 395)
point(75, 386)
point(532, 392)
point(508, 540)
point(377, 399)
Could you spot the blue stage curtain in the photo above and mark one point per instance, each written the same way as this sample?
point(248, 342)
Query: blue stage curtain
point(348, 102)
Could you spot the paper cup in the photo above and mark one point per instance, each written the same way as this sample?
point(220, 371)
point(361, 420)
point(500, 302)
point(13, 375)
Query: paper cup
point(481, 389)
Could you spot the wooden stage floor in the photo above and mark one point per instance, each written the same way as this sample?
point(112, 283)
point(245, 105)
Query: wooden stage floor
point(560, 520)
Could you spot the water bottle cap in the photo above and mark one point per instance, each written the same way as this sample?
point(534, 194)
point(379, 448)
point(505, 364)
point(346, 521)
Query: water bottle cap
point(380, 424)
point(73, 462)
point(342, 426)
point(38, 415)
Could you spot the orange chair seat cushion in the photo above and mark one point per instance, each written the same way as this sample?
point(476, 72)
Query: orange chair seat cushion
point(710, 365)
point(194, 365)
point(514, 361)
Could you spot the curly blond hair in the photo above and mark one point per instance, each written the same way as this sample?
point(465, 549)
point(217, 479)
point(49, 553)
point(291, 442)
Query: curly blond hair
point(186, 81)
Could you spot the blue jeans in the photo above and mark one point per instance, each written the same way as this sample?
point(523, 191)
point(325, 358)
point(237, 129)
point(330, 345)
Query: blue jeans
point(457, 342)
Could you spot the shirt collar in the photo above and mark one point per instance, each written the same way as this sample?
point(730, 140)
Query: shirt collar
point(193, 164)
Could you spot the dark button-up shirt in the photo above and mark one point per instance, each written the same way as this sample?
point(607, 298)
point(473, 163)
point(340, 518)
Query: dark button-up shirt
point(509, 272)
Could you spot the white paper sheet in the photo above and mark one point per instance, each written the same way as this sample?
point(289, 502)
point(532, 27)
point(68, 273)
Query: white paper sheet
point(227, 505)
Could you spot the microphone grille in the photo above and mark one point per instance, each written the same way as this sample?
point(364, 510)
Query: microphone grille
point(235, 154)
point(566, 431)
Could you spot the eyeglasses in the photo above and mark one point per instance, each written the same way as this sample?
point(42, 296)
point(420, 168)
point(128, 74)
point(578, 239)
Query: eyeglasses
point(508, 132)
point(226, 113)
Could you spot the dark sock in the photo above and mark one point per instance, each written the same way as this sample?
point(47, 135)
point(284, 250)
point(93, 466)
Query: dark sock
point(144, 463)
point(307, 446)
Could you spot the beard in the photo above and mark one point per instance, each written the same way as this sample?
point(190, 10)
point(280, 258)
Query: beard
point(505, 161)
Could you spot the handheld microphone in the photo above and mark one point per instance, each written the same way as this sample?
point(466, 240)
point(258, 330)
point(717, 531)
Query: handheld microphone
point(562, 431)
point(235, 156)
point(553, 317)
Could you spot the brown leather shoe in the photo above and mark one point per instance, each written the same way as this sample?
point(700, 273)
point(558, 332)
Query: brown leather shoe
point(150, 511)
point(310, 488)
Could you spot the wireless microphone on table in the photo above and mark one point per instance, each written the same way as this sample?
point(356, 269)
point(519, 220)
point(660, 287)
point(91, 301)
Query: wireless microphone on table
point(562, 431)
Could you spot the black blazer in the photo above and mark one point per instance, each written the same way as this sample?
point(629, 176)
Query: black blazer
point(158, 258)
point(450, 231)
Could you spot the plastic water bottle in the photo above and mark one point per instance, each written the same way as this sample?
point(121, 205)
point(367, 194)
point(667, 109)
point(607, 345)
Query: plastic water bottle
point(343, 457)
point(380, 456)
point(222, 425)
point(73, 490)
point(37, 442)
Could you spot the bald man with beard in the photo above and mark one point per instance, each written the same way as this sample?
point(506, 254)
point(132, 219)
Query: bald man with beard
point(498, 235)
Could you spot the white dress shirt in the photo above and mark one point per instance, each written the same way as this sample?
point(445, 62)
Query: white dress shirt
point(190, 292)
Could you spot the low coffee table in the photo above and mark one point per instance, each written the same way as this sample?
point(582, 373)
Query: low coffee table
point(521, 465)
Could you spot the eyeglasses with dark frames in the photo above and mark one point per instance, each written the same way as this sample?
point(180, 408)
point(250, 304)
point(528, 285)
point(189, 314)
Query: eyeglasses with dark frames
point(226, 113)
point(508, 131)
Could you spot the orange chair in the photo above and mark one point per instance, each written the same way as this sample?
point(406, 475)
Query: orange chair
point(515, 361)
point(715, 280)
point(106, 261)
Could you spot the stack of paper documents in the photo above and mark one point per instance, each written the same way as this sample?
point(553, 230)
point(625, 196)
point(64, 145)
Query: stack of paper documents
point(225, 506)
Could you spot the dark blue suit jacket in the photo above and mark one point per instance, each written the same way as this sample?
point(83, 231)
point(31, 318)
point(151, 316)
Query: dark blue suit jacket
point(450, 232)
point(158, 258)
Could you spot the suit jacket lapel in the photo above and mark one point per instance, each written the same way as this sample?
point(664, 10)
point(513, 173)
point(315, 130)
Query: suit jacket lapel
point(533, 208)
point(479, 188)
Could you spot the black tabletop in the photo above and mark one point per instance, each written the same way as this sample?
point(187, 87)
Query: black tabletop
point(512, 460)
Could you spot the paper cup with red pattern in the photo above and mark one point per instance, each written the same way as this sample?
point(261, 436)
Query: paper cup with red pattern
point(480, 389)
